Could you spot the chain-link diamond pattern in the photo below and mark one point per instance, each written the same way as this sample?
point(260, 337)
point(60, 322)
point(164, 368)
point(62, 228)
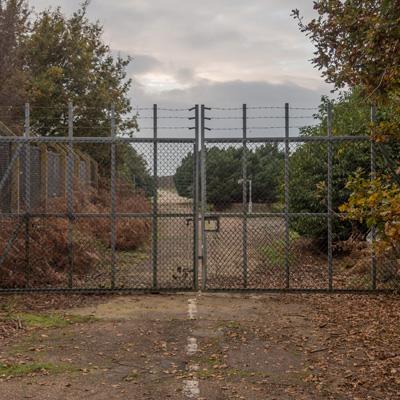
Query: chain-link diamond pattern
point(105, 211)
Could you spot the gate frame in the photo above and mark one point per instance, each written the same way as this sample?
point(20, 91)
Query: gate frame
point(199, 212)
point(23, 218)
point(287, 140)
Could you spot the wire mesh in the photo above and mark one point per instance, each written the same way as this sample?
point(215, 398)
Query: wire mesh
point(88, 206)
point(96, 202)
point(34, 169)
point(266, 253)
point(285, 231)
point(5, 193)
point(54, 177)
point(175, 180)
point(225, 255)
point(91, 252)
point(134, 260)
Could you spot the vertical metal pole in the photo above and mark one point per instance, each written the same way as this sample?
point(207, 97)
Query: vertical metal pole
point(70, 184)
point(373, 228)
point(196, 201)
point(203, 199)
point(329, 195)
point(287, 233)
point(244, 198)
point(113, 199)
point(250, 196)
point(27, 172)
point(155, 199)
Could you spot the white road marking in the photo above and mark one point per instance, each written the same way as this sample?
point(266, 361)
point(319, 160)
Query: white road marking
point(191, 347)
point(192, 304)
point(191, 388)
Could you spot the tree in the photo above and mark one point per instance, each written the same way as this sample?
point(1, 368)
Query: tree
point(14, 15)
point(309, 168)
point(224, 170)
point(183, 177)
point(54, 59)
point(265, 168)
point(67, 60)
point(134, 169)
point(358, 45)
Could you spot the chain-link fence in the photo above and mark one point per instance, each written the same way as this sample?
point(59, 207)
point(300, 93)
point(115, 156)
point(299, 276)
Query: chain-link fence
point(82, 212)
point(273, 191)
point(225, 201)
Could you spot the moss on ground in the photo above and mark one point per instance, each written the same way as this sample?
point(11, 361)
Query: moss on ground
point(49, 320)
point(10, 370)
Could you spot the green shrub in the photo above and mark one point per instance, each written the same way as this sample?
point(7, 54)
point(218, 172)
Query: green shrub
point(309, 169)
point(224, 170)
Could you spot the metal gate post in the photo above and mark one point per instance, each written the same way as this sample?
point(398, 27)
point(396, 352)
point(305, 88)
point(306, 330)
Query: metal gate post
point(155, 199)
point(70, 177)
point(373, 228)
point(329, 195)
point(27, 171)
point(196, 200)
point(203, 199)
point(287, 234)
point(244, 200)
point(113, 198)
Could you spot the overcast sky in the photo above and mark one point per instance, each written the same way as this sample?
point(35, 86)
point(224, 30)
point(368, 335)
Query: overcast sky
point(218, 52)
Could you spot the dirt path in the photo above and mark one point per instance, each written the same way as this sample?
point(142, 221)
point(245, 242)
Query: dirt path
point(206, 347)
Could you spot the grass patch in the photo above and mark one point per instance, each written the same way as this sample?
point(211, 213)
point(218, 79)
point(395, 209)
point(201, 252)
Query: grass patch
point(240, 373)
point(132, 257)
point(205, 374)
point(233, 325)
point(133, 376)
point(212, 361)
point(32, 368)
point(274, 252)
point(50, 320)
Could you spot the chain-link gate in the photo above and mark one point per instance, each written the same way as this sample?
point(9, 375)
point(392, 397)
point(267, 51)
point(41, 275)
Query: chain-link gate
point(271, 218)
point(98, 213)
point(225, 207)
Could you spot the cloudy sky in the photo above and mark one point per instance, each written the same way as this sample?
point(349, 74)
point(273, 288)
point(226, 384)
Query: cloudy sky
point(217, 52)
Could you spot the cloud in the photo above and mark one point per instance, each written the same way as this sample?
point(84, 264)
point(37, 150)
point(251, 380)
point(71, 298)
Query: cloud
point(225, 51)
point(232, 93)
point(142, 63)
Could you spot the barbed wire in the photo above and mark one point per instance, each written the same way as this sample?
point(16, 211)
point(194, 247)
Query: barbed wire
point(161, 117)
point(160, 109)
point(164, 127)
point(261, 117)
point(260, 128)
point(304, 108)
point(248, 108)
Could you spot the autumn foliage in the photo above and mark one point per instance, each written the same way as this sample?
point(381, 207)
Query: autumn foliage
point(91, 238)
point(357, 47)
point(376, 203)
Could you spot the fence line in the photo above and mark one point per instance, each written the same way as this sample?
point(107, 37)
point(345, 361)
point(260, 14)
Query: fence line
point(254, 239)
point(47, 163)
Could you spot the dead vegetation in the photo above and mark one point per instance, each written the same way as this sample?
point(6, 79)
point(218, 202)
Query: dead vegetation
point(361, 345)
point(91, 237)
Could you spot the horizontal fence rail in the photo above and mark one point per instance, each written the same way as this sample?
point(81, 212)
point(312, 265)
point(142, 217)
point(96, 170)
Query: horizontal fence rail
point(107, 217)
point(224, 202)
point(276, 202)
